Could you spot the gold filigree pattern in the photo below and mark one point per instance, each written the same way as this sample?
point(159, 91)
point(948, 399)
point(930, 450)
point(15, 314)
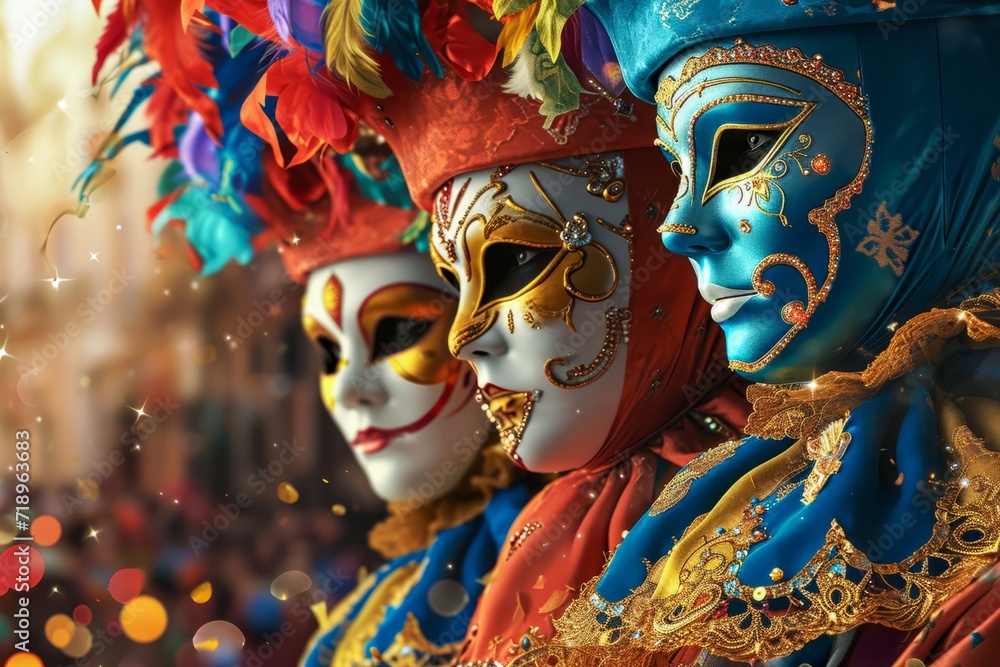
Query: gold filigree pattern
point(616, 323)
point(677, 228)
point(580, 269)
point(508, 411)
point(680, 483)
point(823, 217)
point(837, 590)
point(804, 410)
point(826, 450)
point(605, 175)
point(688, 595)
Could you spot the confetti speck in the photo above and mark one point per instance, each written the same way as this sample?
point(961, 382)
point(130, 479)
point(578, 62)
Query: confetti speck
point(287, 493)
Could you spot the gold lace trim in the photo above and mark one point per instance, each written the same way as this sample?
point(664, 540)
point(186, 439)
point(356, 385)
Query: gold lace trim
point(837, 590)
point(409, 528)
point(796, 411)
point(329, 619)
point(680, 484)
point(411, 648)
point(684, 599)
point(350, 650)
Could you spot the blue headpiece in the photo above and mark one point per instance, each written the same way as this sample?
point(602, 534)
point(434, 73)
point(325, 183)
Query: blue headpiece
point(837, 164)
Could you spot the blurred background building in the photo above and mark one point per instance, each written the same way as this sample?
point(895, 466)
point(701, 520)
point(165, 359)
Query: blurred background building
point(154, 398)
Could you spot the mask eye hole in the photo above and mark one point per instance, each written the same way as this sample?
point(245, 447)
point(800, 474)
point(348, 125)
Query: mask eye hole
point(741, 151)
point(449, 277)
point(331, 354)
point(510, 267)
point(395, 334)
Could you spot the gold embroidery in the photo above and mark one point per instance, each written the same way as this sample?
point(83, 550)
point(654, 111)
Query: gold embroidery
point(679, 485)
point(889, 240)
point(826, 450)
point(411, 648)
point(823, 217)
point(515, 647)
point(693, 595)
point(803, 410)
point(518, 538)
point(328, 620)
point(350, 650)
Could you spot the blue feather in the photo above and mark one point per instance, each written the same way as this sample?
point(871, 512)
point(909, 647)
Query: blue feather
point(394, 26)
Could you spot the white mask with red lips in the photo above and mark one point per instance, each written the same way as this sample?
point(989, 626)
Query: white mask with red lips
point(400, 400)
point(540, 254)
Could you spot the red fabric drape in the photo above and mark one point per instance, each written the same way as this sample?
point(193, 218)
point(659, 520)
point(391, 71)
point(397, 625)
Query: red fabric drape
point(675, 363)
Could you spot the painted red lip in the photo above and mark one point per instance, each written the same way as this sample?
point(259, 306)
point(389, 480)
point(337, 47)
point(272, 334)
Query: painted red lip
point(371, 440)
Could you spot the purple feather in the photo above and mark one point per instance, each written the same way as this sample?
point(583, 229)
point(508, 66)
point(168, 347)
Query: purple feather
point(198, 152)
point(281, 16)
point(598, 52)
point(306, 18)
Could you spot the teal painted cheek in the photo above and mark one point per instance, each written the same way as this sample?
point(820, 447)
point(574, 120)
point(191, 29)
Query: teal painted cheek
point(763, 163)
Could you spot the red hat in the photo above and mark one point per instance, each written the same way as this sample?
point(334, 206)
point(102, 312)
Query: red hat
point(317, 214)
point(441, 127)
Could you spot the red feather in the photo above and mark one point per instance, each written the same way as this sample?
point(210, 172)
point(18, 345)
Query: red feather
point(180, 58)
point(312, 109)
point(189, 8)
point(251, 14)
point(253, 117)
point(112, 37)
point(165, 111)
point(454, 38)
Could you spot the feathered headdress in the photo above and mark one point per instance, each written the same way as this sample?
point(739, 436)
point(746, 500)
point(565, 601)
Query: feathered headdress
point(247, 162)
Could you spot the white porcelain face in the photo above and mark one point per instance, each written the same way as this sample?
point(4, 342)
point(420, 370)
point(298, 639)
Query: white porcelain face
point(540, 253)
point(402, 402)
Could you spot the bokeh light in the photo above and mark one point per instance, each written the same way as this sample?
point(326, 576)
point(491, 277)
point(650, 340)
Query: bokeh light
point(46, 530)
point(220, 636)
point(125, 585)
point(290, 584)
point(144, 619)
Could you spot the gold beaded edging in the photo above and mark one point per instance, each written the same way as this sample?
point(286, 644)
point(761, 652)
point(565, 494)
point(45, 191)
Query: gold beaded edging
point(823, 217)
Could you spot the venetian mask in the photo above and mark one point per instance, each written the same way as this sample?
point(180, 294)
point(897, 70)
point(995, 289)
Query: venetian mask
point(770, 144)
point(402, 402)
point(539, 253)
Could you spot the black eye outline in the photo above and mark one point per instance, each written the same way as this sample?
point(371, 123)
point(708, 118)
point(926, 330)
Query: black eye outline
point(740, 152)
point(331, 354)
point(508, 268)
point(751, 159)
point(449, 277)
point(395, 334)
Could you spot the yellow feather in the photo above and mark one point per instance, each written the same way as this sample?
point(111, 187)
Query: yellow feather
point(516, 31)
point(347, 51)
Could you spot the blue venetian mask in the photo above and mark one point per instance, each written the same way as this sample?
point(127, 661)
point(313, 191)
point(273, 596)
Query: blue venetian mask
point(806, 195)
